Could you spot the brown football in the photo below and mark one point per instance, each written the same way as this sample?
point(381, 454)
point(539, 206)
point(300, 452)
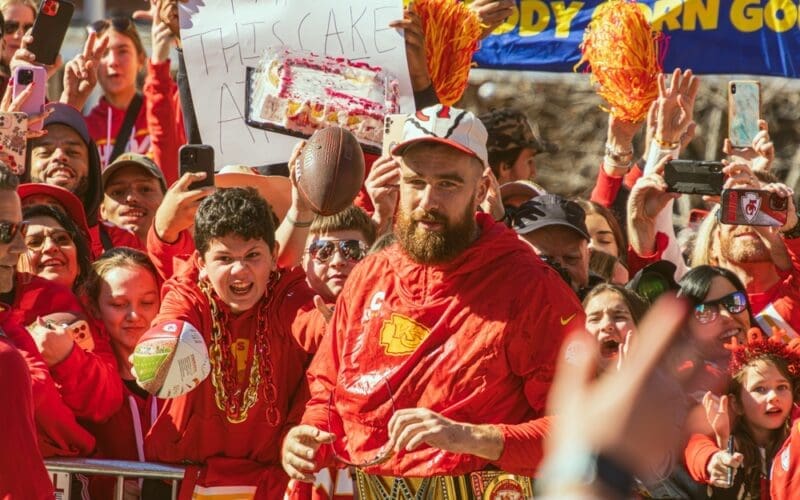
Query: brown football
point(331, 170)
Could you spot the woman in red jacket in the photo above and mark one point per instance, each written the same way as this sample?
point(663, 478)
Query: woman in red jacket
point(124, 293)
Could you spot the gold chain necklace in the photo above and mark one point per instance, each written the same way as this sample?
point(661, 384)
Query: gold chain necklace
point(228, 395)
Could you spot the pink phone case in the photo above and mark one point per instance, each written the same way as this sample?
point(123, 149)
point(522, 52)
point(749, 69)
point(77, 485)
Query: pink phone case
point(23, 75)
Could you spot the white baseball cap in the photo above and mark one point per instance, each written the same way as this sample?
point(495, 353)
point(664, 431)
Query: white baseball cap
point(457, 128)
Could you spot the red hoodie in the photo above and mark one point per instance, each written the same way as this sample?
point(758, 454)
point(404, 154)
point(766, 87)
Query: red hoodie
point(192, 428)
point(85, 385)
point(22, 472)
point(104, 122)
point(475, 340)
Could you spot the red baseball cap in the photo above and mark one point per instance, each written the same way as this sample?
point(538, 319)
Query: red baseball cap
point(68, 202)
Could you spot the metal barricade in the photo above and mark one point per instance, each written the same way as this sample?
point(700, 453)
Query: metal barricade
point(120, 469)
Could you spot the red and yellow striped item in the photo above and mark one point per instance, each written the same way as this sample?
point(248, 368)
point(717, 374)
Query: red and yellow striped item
point(452, 31)
point(625, 57)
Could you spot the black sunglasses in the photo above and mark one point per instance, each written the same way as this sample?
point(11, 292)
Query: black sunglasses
point(734, 303)
point(10, 27)
point(352, 250)
point(9, 230)
point(119, 24)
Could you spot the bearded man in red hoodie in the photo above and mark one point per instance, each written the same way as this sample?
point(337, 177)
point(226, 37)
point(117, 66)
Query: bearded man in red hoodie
point(433, 377)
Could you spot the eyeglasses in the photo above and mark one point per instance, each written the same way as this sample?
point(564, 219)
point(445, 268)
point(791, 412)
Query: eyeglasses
point(119, 23)
point(381, 455)
point(60, 238)
point(9, 230)
point(11, 27)
point(352, 250)
point(734, 303)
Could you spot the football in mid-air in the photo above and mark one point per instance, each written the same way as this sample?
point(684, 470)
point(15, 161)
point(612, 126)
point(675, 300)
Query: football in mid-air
point(331, 170)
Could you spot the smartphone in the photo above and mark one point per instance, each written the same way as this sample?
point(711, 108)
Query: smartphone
point(752, 207)
point(197, 158)
point(13, 140)
point(392, 132)
point(744, 104)
point(81, 334)
point(49, 29)
point(77, 328)
point(24, 76)
point(694, 177)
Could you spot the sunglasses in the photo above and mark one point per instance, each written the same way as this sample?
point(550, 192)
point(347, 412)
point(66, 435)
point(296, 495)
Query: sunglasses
point(11, 27)
point(9, 230)
point(352, 250)
point(35, 242)
point(734, 303)
point(119, 23)
point(381, 455)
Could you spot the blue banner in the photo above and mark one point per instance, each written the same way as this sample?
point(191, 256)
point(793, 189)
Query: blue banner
point(760, 37)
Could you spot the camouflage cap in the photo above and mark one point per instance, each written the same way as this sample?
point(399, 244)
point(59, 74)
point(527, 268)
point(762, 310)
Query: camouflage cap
point(509, 129)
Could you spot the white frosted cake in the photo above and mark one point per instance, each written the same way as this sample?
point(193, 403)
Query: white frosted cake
point(303, 92)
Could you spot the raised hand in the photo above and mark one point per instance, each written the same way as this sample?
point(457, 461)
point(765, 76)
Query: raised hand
point(10, 104)
point(382, 185)
point(80, 73)
point(493, 204)
point(162, 38)
point(23, 57)
point(492, 13)
point(414, 33)
point(675, 106)
point(179, 206)
point(718, 415)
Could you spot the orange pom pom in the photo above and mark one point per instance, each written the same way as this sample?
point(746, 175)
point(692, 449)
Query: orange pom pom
point(625, 57)
point(452, 31)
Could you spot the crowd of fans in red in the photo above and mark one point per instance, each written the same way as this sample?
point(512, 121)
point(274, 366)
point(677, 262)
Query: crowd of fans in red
point(430, 339)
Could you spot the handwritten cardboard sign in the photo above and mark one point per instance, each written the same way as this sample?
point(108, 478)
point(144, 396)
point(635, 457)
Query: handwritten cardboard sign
point(223, 37)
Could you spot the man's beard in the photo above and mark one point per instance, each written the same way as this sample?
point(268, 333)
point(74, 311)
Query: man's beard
point(80, 190)
point(743, 252)
point(434, 247)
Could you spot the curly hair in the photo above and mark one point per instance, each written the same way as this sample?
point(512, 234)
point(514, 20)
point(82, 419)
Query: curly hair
point(235, 211)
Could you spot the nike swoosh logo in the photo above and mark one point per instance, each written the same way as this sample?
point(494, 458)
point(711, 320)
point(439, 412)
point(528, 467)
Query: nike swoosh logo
point(566, 320)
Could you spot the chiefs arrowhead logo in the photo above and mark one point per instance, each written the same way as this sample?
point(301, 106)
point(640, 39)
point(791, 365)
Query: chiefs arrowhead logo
point(401, 336)
point(751, 203)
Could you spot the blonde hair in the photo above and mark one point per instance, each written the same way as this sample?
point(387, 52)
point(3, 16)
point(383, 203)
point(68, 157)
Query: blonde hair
point(31, 4)
point(703, 254)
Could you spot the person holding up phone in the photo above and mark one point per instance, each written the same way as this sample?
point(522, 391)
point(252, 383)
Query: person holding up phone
point(18, 16)
point(19, 27)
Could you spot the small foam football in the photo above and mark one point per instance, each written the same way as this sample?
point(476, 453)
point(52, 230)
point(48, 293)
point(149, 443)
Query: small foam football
point(171, 359)
point(331, 170)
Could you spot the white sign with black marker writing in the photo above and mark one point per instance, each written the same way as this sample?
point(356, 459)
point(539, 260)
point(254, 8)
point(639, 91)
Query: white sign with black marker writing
point(221, 38)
